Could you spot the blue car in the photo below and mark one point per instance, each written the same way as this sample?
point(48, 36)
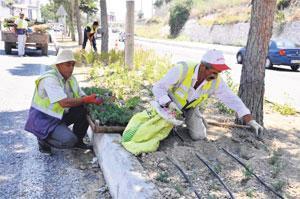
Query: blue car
point(281, 52)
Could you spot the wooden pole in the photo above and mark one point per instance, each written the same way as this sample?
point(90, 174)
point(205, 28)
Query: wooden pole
point(129, 30)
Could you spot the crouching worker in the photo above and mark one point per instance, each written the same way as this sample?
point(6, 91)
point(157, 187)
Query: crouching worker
point(57, 103)
point(180, 93)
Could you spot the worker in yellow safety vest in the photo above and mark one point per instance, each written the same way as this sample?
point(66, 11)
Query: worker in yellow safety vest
point(21, 26)
point(89, 33)
point(57, 103)
point(186, 86)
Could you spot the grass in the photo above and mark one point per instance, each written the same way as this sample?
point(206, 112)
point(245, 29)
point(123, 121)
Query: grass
point(109, 71)
point(284, 109)
point(152, 31)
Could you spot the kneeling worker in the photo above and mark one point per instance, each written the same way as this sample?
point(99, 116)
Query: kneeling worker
point(57, 103)
point(186, 86)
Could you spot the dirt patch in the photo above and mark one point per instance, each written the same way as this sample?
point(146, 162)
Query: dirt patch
point(276, 159)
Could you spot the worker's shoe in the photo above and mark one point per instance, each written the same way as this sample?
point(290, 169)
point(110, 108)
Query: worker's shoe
point(44, 147)
point(82, 145)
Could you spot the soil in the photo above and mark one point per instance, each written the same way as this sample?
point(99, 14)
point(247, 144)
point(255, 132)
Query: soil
point(275, 159)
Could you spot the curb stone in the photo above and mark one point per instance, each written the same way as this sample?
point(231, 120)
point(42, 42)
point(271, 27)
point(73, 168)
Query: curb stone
point(124, 175)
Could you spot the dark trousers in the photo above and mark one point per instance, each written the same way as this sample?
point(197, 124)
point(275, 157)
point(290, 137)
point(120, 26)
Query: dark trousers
point(85, 39)
point(62, 137)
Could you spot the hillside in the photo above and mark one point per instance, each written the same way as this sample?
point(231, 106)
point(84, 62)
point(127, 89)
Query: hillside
point(213, 12)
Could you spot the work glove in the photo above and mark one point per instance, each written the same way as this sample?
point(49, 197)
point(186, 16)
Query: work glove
point(258, 129)
point(92, 99)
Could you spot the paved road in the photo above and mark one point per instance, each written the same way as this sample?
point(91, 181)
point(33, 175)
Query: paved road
point(24, 172)
point(281, 84)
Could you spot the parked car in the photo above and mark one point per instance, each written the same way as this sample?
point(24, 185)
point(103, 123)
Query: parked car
point(281, 52)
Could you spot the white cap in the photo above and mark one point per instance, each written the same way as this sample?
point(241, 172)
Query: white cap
point(64, 56)
point(216, 59)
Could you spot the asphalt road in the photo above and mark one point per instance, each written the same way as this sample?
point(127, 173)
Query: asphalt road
point(281, 83)
point(24, 171)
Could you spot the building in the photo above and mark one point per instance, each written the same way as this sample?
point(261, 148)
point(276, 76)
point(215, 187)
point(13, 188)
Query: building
point(31, 9)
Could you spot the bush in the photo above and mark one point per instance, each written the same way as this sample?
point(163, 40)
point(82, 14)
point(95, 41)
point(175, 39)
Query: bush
point(282, 4)
point(158, 3)
point(179, 14)
point(126, 83)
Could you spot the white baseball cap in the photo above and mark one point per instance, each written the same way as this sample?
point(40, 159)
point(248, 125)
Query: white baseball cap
point(216, 59)
point(64, 56)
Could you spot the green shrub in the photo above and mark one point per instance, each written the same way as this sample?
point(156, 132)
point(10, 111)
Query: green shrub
point(126, 83)
point(179, 14)
point(282, 4)
point(111, 112)
point(158, 3)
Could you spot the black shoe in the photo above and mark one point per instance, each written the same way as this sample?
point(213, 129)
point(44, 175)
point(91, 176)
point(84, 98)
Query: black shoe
point(82, 145)
point(44, 148)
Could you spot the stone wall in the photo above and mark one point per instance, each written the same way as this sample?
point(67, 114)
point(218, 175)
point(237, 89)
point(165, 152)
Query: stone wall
point(235, 34)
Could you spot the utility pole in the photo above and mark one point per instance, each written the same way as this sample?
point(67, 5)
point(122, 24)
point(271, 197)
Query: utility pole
point(129, 30)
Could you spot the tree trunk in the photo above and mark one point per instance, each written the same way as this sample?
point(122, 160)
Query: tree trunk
point(78, 20)
point(104, 26)
point(252, 85)
point(71, 18)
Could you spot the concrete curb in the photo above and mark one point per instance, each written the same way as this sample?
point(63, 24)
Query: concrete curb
point(123, 173)
point(193, 45)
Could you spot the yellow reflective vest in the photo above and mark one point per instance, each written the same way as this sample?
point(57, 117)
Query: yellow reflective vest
point(179, 93)
point(22, 24)
point(43, 103)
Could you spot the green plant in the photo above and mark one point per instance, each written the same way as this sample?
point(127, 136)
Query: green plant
point(89, 56)
point(247, 173)
point(126, 83)
point(158, 3)
point(110, 112)
point(279, 185)
point(178, 188)
point(250, 193)
point(163, 177)
point(224, 109)
point(282, 4)
point(179, 14)
point(285, 109)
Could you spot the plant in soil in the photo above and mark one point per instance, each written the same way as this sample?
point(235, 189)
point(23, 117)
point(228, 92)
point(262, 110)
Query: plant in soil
point(163, 177)
point(112, 112)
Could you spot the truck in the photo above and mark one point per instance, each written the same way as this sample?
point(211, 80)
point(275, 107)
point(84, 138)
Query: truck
point(35, 39)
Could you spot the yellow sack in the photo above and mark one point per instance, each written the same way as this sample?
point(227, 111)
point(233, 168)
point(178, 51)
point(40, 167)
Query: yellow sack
point(144, 132)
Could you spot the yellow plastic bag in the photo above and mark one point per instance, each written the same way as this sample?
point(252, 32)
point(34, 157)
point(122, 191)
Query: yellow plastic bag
point(144, 132)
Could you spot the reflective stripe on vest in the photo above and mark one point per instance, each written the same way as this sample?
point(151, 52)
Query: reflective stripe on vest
point(179, 93)
point(44, 105)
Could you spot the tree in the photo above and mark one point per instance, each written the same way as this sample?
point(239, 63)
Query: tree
point(89, 7)
point(9, 4)
point(78, 21)
point(252, 85)
point(48, 11)
point(104, 26)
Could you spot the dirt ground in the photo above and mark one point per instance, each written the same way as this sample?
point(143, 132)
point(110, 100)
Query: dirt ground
point(275, 159)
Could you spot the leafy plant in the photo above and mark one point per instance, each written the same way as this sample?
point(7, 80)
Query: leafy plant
point(279, 185)
point(163, 177)
point(110, 112)
point(179, 14)
point(250, 193)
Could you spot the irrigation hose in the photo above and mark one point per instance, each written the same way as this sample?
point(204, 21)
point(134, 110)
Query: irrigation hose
point(185, 176)
point(215, 174)
point(261, 181)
